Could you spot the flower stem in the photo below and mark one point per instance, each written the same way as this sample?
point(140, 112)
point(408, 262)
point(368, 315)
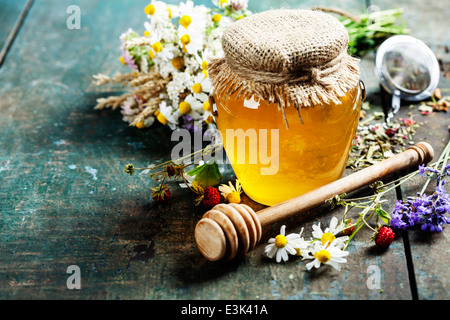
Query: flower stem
point(443, 158)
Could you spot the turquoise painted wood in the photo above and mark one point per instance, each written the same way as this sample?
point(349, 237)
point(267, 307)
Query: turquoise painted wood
point(11, 16)
point(64, 199)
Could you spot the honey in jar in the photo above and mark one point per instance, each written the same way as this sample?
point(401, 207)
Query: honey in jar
point(288, 99)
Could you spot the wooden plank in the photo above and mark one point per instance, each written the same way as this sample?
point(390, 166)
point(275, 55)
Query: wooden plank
point(11, 17)
point(426, 249)
point(65, 199)
point(430, 250)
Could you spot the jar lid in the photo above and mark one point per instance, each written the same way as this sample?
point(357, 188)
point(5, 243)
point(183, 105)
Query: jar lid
point(289, 57)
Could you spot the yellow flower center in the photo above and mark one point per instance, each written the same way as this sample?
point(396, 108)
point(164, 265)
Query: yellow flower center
point(151, 54)
point(122, 60)
point(216, 18)
point(207, 106)
point(185, 40)
point(197, 88)
point(233, 197)
point(161, 118)
point(150, 9)
point(178, 63)
point(185, 49)
point(327, 237)
point(323, 256)
point(280, 241)
point(298, 252)
point(205, 73)
point(146, 33)
point(222, 2)
point(240, 17)
point(140, 125)
point(185, 107)
point(170, 13)
point(185, 21)
point(204, 65)
point(157, 47)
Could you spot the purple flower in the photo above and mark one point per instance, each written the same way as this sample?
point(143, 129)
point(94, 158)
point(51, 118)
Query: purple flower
point(431, 212)
point(422, 170)
point(397, 221)
point(128, 58)
point(191, 125)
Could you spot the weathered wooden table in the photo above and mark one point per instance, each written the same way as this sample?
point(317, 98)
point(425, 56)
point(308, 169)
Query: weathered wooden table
point(64, 199)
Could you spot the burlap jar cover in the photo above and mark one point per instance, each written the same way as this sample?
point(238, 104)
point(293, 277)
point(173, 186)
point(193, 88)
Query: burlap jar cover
point(292, 58)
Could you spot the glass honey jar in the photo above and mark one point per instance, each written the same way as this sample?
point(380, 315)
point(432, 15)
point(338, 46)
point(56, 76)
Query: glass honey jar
point(287, 98)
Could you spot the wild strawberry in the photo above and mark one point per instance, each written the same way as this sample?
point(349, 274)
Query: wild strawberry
point(211, 197)
point(384, 237)
point(170, 169)
point(161, 194)
point(349, 229)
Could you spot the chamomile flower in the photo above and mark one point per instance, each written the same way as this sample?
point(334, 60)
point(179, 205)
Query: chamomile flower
point(231, 193)
point(167, 115)
point(163, 60)
point(192, 39)
point(327, 254)
point(201, 87)
point(221, 3)
point(157, 12)
point(192, 17)
point(302, 246)
point(329, 234)
point(191, 106)
point(282, 245)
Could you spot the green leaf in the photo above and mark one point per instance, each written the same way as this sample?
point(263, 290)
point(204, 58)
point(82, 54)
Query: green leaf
point(383, 215)
point(206, 175)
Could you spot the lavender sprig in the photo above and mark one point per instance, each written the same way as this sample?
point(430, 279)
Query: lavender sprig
point(430, 212)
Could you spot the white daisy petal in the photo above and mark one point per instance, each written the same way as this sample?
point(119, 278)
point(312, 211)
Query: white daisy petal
point(292, 236)
point(290, 249)
point(284, 255)
point(270, 251)
point(333, 224)
point(278, 256)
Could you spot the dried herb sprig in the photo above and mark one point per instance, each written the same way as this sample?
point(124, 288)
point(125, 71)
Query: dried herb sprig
point(147, 87)
point(202, 176)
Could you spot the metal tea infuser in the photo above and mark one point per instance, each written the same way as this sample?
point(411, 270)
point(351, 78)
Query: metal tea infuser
point(407, 69)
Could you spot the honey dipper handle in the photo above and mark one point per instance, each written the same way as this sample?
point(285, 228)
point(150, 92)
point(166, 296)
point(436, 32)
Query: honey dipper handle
point(415, 155)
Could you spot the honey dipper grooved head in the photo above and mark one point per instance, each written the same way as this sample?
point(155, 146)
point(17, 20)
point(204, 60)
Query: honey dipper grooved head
point(210, 239)
point(226, 231)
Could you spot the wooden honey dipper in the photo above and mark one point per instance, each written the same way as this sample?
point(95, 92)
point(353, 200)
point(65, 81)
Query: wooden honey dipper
point(230, 230)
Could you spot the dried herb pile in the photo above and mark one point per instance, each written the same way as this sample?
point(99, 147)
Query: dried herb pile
point(376, 140)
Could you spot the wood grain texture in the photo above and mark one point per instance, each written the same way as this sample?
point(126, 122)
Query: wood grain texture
point(64, 199)
point(11, 16)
